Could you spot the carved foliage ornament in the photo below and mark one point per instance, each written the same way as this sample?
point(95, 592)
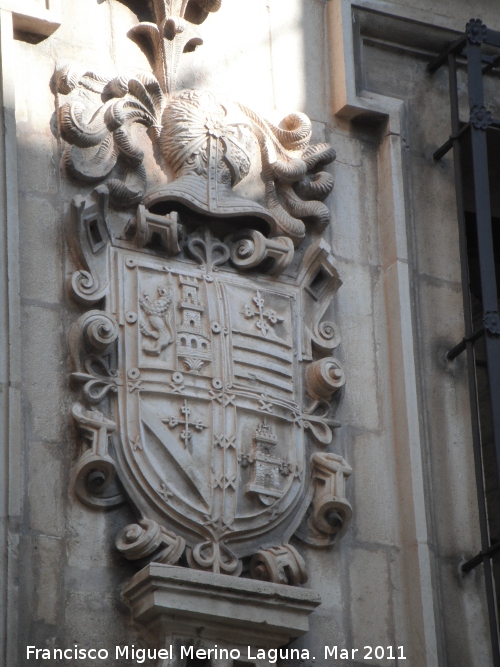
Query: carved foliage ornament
point(205, 373)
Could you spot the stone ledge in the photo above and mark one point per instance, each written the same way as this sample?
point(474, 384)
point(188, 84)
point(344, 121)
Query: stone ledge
point(183, 600)
point(33, 17)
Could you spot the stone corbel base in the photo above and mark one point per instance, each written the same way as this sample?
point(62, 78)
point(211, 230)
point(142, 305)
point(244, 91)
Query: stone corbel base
point(189, 607)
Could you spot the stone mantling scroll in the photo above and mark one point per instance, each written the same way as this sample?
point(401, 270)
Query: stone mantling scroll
point(204, 365)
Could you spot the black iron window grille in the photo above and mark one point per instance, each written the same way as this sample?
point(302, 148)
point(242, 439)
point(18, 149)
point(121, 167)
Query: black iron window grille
point(479, 50)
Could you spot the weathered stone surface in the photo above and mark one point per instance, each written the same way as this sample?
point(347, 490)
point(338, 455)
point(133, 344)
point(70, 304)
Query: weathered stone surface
point(47, 511)
point(49, 550)
point(42, 345)
point(269, 615)
point(370, 600)
point(41, 236)
point(374, 461)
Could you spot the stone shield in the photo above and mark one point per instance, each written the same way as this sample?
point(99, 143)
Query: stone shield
point(221, 378)
point(210, 440)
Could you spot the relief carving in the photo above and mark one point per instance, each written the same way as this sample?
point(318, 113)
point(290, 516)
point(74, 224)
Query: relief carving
point(205, 344)
point(331, 511)
point(207, 142)
point(148, 540)
point(156, 324)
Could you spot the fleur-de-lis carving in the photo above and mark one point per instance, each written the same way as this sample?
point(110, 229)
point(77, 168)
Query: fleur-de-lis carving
point(98, 378)
point(208, 251)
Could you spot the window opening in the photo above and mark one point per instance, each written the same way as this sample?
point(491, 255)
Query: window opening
point(476, 156)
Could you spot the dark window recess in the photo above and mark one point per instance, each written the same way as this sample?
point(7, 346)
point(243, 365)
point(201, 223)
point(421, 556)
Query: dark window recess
point(476, 154)
point(317, 284)
point(95, 234)
point(473, 249)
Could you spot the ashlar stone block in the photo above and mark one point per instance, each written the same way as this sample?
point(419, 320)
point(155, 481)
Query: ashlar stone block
point(225, 607)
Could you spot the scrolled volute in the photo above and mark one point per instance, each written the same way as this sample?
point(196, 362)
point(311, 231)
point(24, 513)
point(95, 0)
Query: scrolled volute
point(250, 249)
point(148, 540)
point(96, 469)
point(90, 231)
point(85, 289)
point(95, 473)
point(325, 336)
point(332, 512)
point(324, 378)
point(279, 565)
point(95, 330)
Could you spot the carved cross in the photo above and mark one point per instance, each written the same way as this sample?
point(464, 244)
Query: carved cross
point(186, 434)
point(266, 317)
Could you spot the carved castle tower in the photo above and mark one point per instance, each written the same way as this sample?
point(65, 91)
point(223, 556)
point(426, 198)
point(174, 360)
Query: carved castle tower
point(192, 341)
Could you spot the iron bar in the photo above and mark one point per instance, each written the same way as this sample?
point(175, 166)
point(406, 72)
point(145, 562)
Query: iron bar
point(488, 284)
point(492, 38)
point(448, 145)
point(458, 349)
point(467, 343)
point(491, 319)
point(441, 60)
point(477, 560)
point(492, 64)
point(471, 366)
point(487, 60)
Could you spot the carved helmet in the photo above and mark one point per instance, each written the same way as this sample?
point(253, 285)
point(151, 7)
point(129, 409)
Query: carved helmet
point(211, 144)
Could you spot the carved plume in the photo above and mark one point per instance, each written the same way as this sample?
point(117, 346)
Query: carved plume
point(173, 33)
point(190, 129)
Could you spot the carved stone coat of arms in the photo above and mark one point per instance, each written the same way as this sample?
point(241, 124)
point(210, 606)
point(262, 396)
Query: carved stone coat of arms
point(203, 358)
